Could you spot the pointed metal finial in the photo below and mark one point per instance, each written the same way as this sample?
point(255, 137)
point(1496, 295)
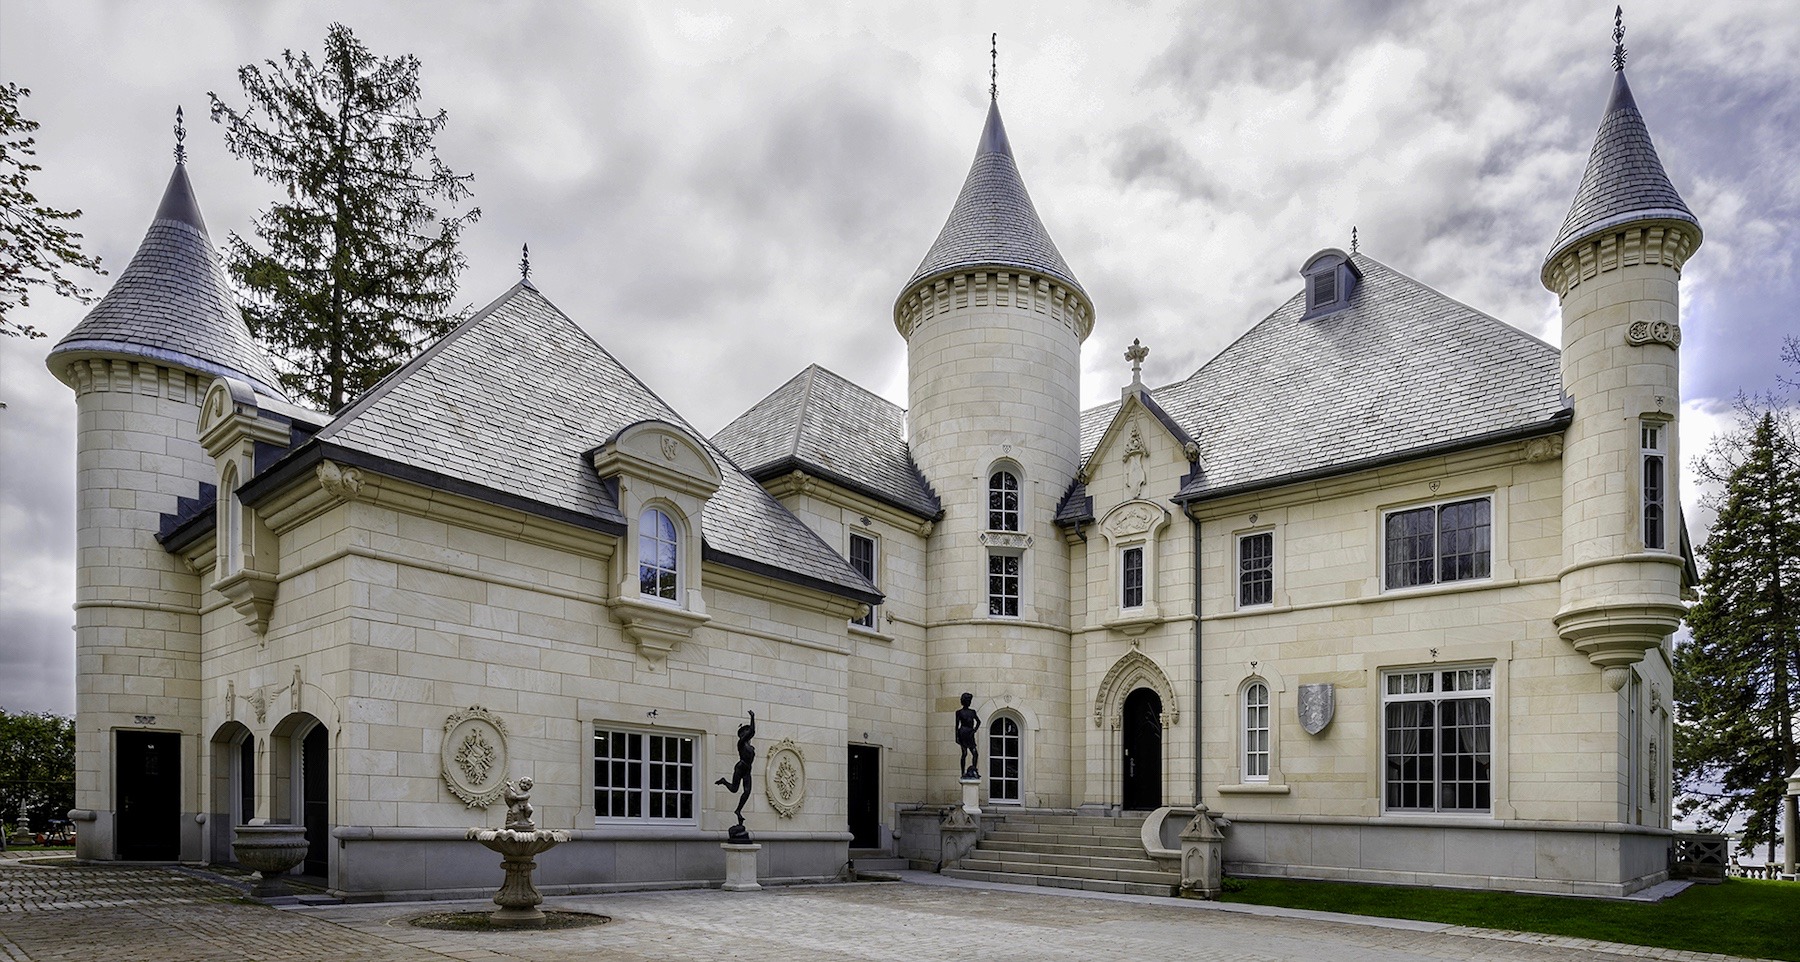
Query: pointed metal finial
point(525, 263)
point(180, 135)
point(1618, 39)
point(994, 67)
point(1352, 238)
point(1136, 354)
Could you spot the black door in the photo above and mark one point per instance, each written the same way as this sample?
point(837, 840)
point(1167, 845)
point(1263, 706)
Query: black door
point(149, 784)
point(315, 799)
point(1143, 750)
point(865, 796)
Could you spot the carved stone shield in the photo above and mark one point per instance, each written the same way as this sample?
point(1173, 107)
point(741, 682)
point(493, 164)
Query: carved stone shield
point(1317, 703)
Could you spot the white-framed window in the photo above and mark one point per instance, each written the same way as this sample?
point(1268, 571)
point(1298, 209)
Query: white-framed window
point(864, 558)
point(1131, 577)
point(1003, 501)
point(1256, 732)
point(644, 775)
point(1004, 760)
point(1437, 733)
point(1656, 484)
point(1256, 569)
point(1003, 583)
point(1438, 543)
point(659, 556)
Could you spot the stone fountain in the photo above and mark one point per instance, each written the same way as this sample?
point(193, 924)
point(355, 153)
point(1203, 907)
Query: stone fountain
point(519, 845)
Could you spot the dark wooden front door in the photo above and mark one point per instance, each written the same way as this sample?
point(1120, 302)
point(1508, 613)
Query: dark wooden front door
point(315, 799)
point(865, 796)
point(149, 785)
point(1143, 750)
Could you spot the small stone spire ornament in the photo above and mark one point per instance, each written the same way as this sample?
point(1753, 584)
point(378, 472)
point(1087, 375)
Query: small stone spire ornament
point(1136, 354)
point(1618, 39)
point(180, 135)
point(994, 67)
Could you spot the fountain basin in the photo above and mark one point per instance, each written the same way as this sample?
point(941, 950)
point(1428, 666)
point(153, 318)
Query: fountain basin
point(518, 898)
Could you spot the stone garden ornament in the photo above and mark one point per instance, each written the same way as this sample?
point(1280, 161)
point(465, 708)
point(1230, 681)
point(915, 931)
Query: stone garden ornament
point(519, 845)
point(740, 778)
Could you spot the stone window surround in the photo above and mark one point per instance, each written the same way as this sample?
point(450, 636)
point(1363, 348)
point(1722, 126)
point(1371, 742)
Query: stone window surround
point(1020, 579)
point(1496, 541)
point(592, 788)
point(1125, 586)
point(872, 621)
point(1132, 524)
point(1253, 696)
point(1275, 781)
point(673, 514)
point(1237, 555)
point(1664, 427)
point(1496, 752)
point(1009, 467)
point(1019, 730)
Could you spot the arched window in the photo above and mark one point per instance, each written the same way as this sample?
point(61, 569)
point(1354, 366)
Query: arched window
point(1003, 501)
point(658, 556)
point(1256, 732)
point(1003, 760)
point(230, 530)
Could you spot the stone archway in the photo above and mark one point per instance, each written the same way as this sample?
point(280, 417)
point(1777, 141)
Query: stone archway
point(1134, 670)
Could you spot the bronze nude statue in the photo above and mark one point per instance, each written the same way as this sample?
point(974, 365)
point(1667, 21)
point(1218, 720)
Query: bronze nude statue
point(967, 723)
point(740, 778)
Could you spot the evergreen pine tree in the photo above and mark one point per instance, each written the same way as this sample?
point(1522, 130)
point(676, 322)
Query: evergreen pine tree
point(359, 267)
point(1737, 682)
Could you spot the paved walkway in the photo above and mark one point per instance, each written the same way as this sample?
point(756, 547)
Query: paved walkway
point(68, 913)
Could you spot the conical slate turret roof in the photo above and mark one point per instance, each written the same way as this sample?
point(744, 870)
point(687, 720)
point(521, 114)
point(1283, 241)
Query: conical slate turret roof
point(994, 223)
point(1624, 181)
point(171, 303)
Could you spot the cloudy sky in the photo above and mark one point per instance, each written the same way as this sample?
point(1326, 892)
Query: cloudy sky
point(724, 197)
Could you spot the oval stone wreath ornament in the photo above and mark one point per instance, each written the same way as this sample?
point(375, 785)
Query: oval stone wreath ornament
point(474, 756)
point(784, 778)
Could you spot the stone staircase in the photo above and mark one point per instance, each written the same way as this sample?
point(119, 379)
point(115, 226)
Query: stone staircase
point(1090, 852)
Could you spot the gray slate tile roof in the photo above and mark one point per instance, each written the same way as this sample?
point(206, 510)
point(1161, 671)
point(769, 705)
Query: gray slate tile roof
point(994, 223)
point(172, 304)
point(1624, 181)
point(1403, 369)
point(824, 424)
point(513, 400)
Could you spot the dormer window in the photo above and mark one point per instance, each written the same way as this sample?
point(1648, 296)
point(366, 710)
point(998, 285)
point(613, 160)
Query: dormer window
point(1330, 280)
point(658, 551)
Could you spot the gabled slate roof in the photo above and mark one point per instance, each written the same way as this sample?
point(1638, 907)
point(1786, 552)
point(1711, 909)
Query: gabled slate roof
point(993, 223)
point(1624, 181)
point(1403, 370)
point(823, 424)
point(513, 400)
point(171, 303)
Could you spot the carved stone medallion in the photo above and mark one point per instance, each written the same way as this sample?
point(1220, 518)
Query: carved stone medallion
point(474, 756)
point(1653, 332)
point(784, 778)
point(1317, 704)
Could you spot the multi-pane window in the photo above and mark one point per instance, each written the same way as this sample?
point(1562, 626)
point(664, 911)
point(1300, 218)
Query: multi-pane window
point(1003, 585)
point(658, 552)
point(1655, 483)
point(1437, 729)
point(1256, 569)
point(1003, 760)
point(862, 558)
point(643, 775)
point(1256, 732)
point(1003, 501)
point(1131, 577)
point(1440, 543)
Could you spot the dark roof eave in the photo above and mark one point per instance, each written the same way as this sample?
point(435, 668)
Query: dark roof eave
point(777, 573)
point(187, 532)
point(1556, 423)
point(787, 465)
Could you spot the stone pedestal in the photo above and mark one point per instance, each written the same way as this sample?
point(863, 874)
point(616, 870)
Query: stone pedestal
point(1203, 855)
point(273, 851)
point(971, 796)
point(518, 898)
point(961, 829)
point(740, 867)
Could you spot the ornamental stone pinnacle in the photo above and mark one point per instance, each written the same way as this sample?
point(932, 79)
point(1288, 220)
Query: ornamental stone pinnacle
point(1136, 354)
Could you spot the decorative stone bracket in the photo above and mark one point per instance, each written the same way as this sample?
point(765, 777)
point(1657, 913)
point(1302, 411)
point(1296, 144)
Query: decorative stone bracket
point(656, 628)
point(252, 595)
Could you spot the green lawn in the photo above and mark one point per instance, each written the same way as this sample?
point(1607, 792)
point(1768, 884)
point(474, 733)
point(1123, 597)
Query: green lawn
point(1741, 917)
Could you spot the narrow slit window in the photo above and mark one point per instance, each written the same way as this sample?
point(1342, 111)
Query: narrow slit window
point(1655, 486)
point(1256, 732)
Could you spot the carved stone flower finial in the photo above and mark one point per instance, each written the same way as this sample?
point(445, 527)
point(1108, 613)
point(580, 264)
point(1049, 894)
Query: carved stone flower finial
point(1136, 354)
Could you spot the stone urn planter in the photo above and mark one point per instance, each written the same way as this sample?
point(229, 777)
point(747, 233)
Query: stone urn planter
point(272, 850)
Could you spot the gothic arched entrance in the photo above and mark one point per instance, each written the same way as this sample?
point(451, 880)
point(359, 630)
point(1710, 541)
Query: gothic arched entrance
point(1141, 761)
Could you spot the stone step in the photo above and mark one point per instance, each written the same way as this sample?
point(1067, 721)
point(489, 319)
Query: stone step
point(878, 863)
point(1135, 863)
point(1149, 876)
point(1045, 841)
point(1056, 881)
point(1065, 818)
point(1093, 828)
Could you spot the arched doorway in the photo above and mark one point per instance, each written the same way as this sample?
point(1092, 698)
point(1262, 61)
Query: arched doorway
point(315, 799)
point(1141, 731)
point(232, 799)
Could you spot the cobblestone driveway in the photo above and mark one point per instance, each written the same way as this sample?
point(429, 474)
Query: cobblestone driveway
point(153, 915)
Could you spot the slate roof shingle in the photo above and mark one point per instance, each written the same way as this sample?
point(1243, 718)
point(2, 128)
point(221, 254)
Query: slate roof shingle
point(993, 223)
point(171, 303)
point(514, 399)
point(1624, 180)
point(826, 425)
point(1403, 369)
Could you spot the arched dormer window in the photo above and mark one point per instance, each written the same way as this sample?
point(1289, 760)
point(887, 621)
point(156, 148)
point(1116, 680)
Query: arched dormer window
point(1003, 500)
point(1331, 278)
point(659, 556)
point(230, 529)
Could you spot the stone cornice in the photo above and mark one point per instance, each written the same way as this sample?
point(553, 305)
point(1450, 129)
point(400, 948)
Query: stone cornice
point(994, 288)
point(1664, 242)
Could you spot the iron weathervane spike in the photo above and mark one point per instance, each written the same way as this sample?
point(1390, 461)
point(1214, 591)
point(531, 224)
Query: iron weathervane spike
point(525, 262)
point(180, 135)
point(1352, 238)
point(994, 67)
point(1618, 39)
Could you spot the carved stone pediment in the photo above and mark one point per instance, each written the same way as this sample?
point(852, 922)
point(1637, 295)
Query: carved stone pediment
point(663, 454)
point(1134, 518)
